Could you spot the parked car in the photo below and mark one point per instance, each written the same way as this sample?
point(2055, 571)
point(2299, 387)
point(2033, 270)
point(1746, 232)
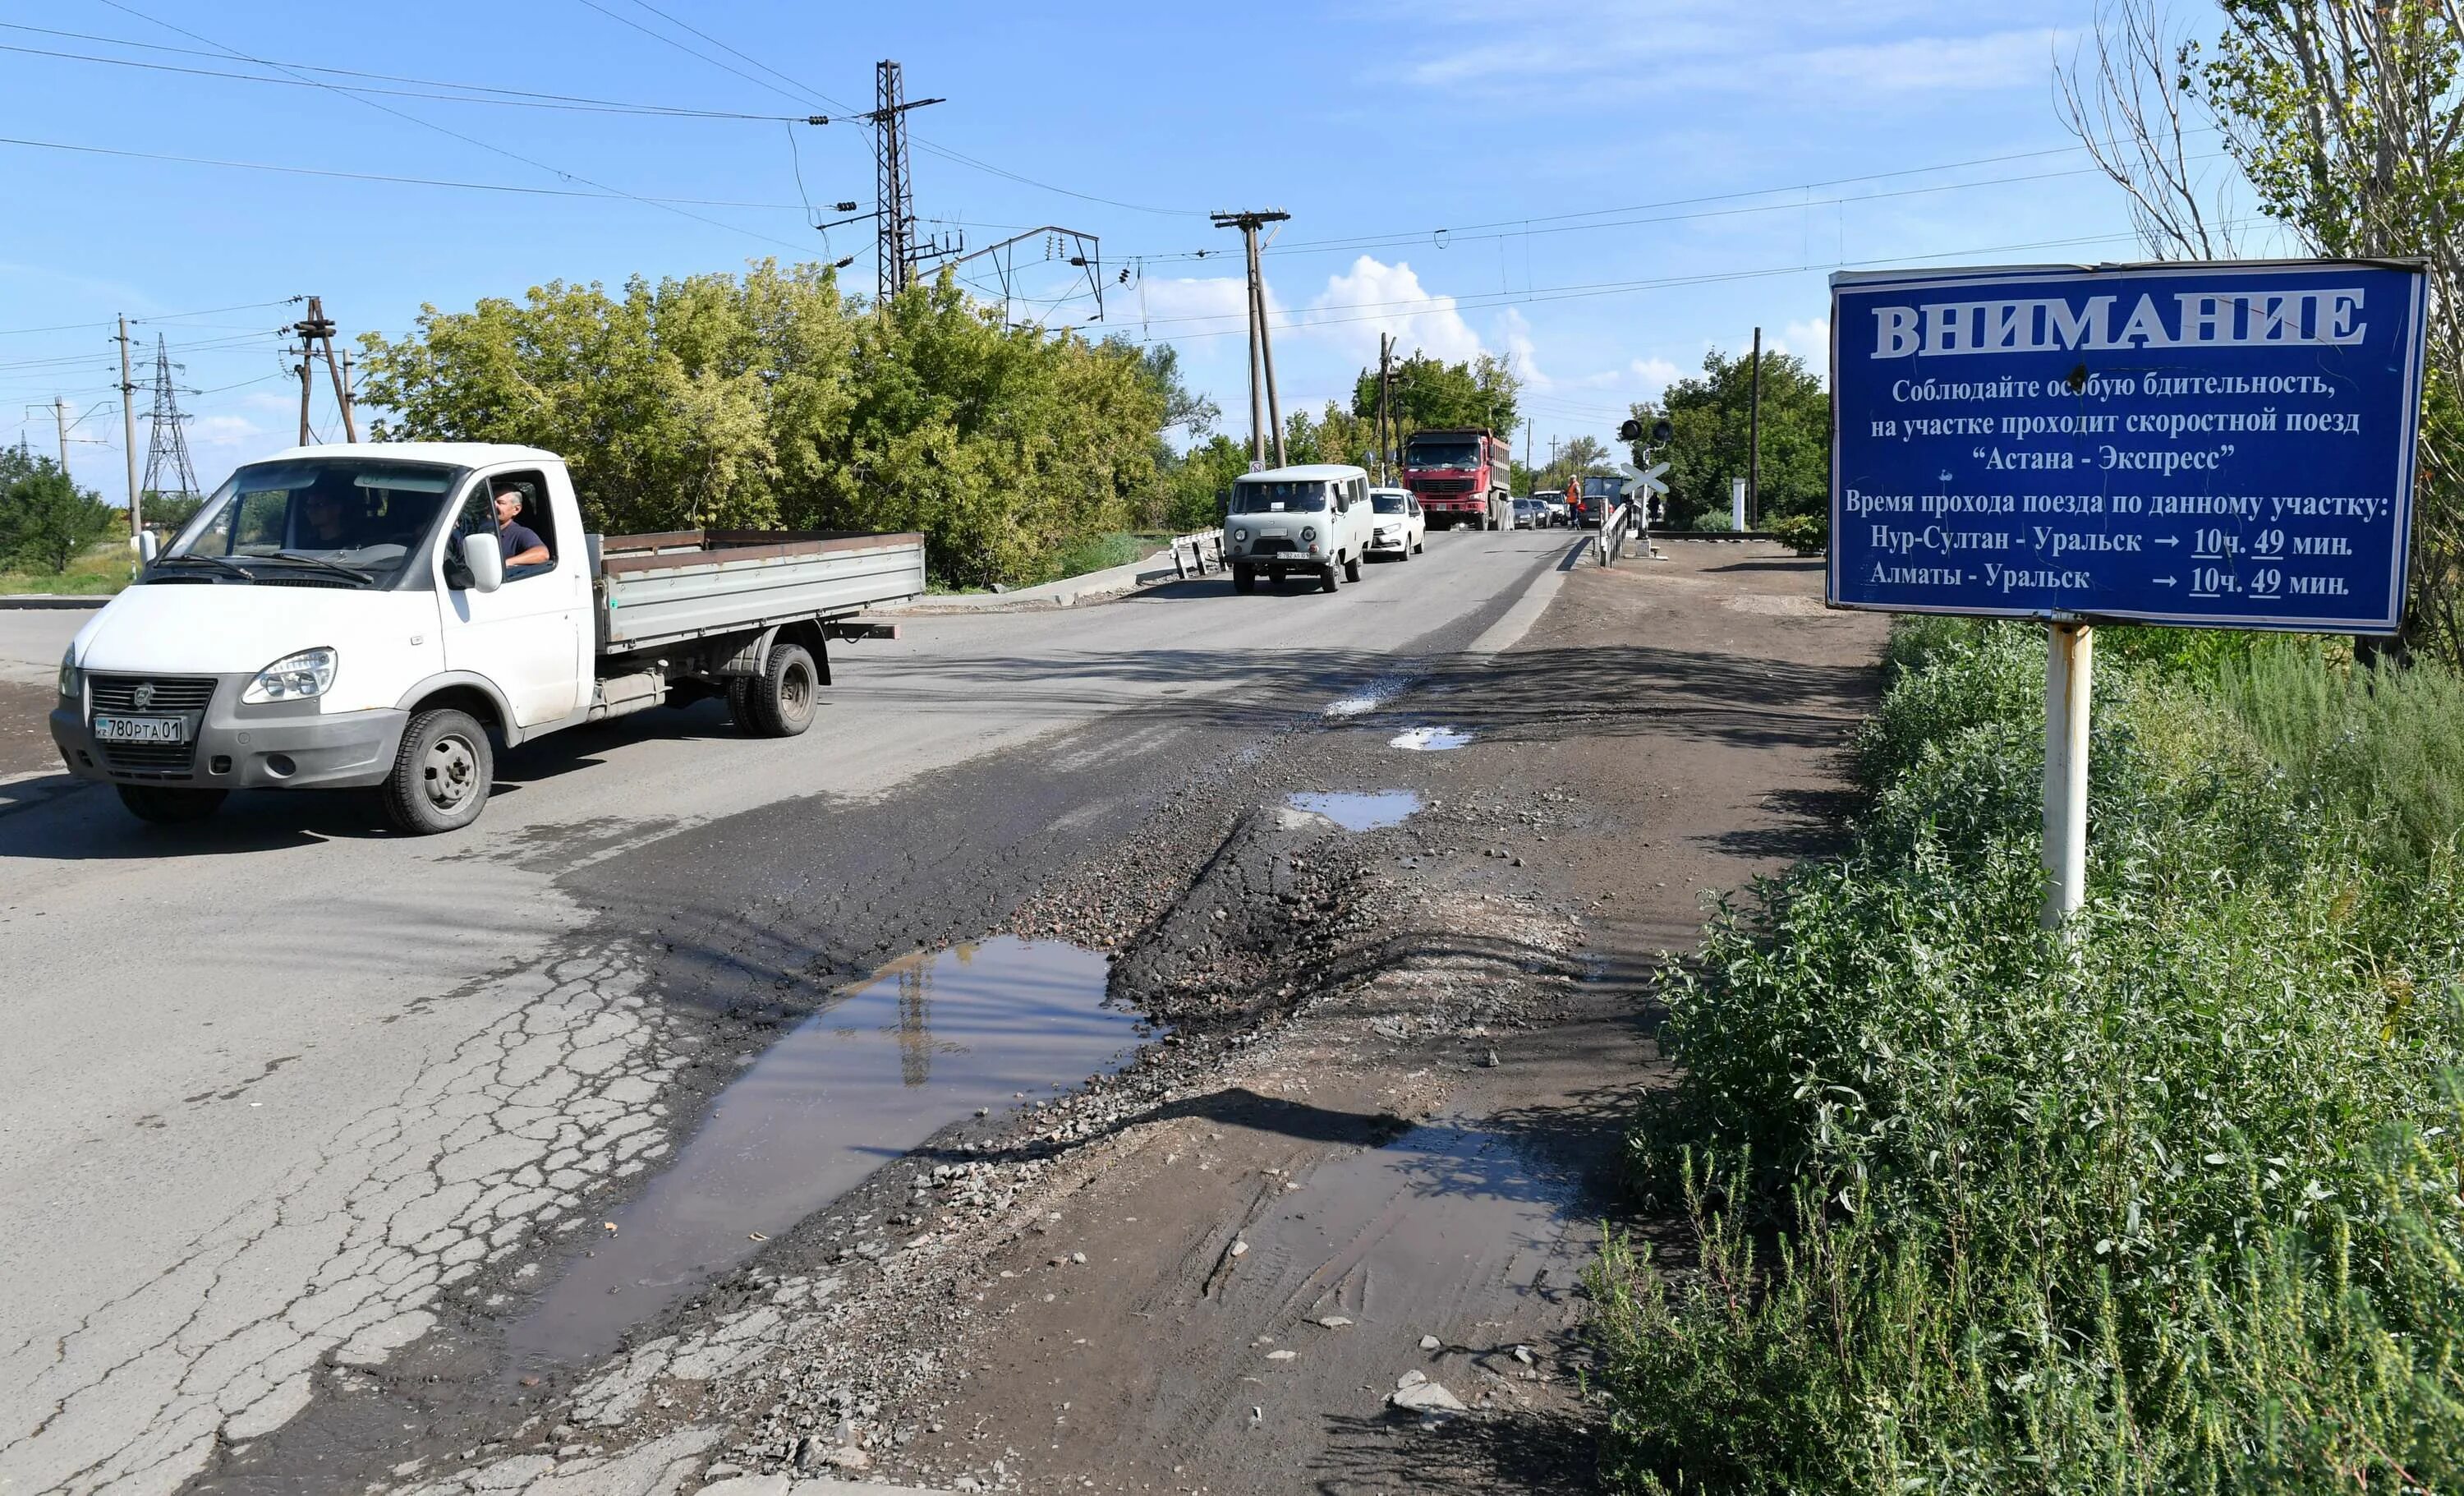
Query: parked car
point(1313, 519)
point(1397, 526)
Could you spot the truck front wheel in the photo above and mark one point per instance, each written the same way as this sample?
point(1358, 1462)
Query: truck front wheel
point(785, 697)
point(441, 774)
point(164, 805)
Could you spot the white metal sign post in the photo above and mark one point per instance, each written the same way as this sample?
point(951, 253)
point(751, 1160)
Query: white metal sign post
point(2069, 671)
point(2226, 445)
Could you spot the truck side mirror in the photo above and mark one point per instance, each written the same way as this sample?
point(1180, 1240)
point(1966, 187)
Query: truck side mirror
point(486, 560)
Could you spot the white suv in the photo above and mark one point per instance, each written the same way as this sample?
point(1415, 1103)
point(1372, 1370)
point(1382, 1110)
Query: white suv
point(1314, 519)
point(1396, 527)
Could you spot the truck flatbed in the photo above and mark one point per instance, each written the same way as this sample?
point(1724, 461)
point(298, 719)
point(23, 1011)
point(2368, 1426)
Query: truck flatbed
point(664, 588)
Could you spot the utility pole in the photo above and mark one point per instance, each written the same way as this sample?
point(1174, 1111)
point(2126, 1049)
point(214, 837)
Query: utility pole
point(60, 418)
point(1385, 352)
point(301, 369)
point(316, 330)
point(1261, 342)
point(1527, 444)
point(1754, 441)
point(128, 429)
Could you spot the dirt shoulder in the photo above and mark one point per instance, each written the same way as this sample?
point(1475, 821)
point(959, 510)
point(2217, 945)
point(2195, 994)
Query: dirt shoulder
point(1328, 1236)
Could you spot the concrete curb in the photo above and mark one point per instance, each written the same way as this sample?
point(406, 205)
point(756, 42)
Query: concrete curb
point(1067, 592)
point(49, 599)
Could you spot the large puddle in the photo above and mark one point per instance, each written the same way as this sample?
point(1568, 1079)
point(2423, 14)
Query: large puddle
point(922, 1045)
point(1356, 811)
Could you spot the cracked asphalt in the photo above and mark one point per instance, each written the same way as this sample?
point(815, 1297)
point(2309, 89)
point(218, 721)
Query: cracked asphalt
point(296, 1102)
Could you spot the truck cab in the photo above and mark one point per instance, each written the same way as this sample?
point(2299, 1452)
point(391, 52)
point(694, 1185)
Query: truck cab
point(1313, 519)
point(1462, 476)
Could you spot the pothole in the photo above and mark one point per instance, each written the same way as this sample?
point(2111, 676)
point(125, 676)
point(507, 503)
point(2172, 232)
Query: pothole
point(923, 1044)
point(1429, 739)
point(1358, 811)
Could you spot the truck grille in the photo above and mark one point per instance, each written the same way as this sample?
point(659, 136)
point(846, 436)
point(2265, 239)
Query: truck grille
point(171, 695)
point(1427, 486)
point(1273, 545)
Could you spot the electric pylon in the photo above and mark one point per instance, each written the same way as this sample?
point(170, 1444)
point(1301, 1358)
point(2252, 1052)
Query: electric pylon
point(168, 472)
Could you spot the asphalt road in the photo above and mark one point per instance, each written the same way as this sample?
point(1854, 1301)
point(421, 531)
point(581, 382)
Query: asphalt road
point(282, 1084)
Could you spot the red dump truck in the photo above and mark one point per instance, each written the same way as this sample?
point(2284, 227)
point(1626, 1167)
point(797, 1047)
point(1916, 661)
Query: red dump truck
point(1463, 475)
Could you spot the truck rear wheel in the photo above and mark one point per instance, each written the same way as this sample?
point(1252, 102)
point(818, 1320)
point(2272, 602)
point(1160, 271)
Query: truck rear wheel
point(166, 806)
point(739, 707)
point(1245, 578)
point(441, 773)
point(785, 697)
point(1326, 576)
point(1352, 570)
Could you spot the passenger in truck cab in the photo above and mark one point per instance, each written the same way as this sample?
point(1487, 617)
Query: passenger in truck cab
point(523, 548)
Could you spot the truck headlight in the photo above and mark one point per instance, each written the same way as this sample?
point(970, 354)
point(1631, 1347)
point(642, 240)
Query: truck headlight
point(1240, 536)
point(72, 679)
point(293, 677)
point(1309, 532)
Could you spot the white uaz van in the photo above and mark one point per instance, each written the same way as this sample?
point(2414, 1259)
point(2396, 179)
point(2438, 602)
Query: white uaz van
point(1314, 519)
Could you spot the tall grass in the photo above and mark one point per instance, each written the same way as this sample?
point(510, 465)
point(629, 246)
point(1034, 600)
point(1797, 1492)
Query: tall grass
point(2169, 1205)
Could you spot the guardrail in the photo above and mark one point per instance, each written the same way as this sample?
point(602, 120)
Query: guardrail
point(1195, 547)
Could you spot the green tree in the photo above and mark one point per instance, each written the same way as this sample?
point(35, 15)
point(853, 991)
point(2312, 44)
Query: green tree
point(774, 399)
point(1710, 417)
point(46, 520)
point(1430, 392)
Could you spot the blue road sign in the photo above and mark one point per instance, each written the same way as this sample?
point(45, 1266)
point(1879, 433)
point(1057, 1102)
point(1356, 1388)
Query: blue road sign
point(2223, 445)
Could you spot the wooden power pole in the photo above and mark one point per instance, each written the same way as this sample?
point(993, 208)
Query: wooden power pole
point(1262, 344)
point(128, 428)
point(1385, 384)
point(316, 332)
point(1754, 440)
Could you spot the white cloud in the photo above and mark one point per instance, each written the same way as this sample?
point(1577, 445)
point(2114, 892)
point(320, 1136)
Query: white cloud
point(1874, 51)
point(1654, 375)
point(1809, 340)
point(1374, 298)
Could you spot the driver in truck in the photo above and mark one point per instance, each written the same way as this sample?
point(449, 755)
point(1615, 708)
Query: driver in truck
point(522, 543)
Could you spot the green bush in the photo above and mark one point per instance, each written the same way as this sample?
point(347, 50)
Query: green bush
point(2168, 1205)
point(1806, 534)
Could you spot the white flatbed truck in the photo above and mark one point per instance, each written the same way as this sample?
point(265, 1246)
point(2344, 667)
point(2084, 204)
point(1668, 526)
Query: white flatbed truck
point(344, 615)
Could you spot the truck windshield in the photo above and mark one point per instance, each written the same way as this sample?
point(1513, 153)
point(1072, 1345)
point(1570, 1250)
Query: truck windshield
point(353, 522)
point(1442, 454)
point(1278, 497)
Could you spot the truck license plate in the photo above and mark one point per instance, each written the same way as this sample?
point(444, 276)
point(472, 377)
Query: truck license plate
point(140, 729)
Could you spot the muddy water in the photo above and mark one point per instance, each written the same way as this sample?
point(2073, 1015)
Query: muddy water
point(922, 1045)
point(1359, 812)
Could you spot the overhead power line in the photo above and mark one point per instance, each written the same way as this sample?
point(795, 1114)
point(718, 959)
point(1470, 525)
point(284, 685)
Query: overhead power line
point(428, 88)
point(467, 139)
point(1379, 311)
point(804, 91)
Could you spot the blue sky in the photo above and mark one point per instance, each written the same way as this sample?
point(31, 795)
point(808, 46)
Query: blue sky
point(1621, 186)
